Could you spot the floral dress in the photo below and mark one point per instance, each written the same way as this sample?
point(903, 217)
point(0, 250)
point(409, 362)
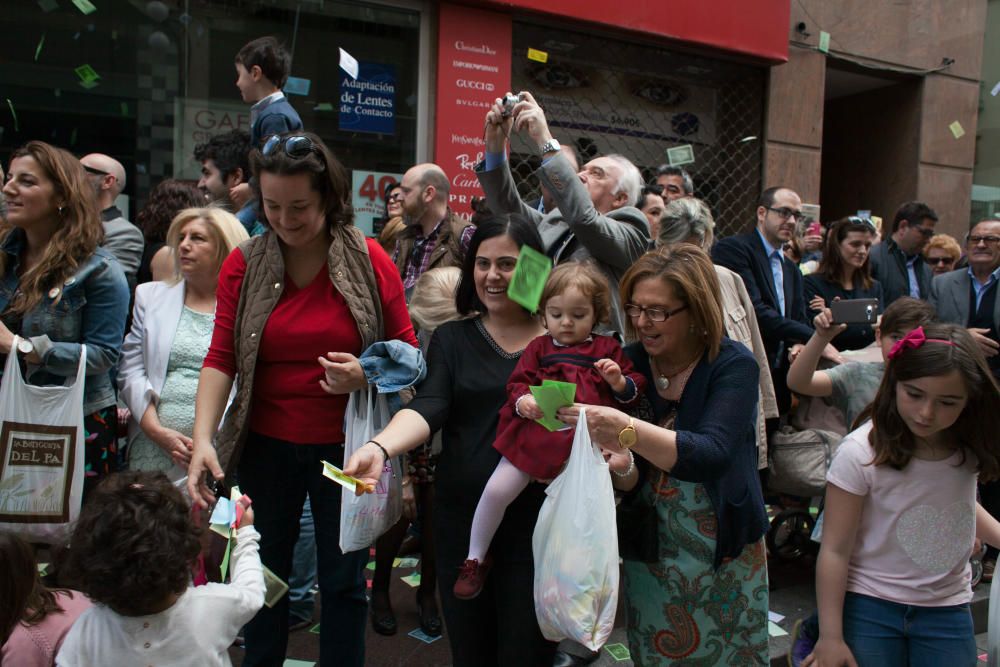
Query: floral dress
point(680, 610)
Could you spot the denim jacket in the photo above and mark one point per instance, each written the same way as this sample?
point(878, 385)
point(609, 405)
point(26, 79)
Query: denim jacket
point(90, 307)
point(392, 365)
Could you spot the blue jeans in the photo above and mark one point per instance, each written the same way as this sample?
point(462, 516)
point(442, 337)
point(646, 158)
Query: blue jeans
point(277, 475)
point(888, 634)
point(301, 600)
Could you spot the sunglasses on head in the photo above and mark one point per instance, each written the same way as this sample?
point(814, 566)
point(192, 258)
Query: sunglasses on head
point(297, 146)
point(855, 220)
point(97, 172)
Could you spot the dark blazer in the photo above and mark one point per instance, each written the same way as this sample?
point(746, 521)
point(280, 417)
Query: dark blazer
point(745, 255)
point(888, 264)
point(276, 118)
point(716, 440)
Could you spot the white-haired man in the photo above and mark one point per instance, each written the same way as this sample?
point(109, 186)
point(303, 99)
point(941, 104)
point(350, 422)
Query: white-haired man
point(595, 215)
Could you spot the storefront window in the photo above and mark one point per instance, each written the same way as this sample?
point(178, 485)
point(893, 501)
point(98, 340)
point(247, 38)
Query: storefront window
point(986, 175)
point(165, 79)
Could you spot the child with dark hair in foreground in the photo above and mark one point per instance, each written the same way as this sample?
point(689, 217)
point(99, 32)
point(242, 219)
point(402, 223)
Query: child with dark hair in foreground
point(131, 552)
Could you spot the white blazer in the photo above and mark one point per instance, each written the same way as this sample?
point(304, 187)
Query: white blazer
point(145, 353)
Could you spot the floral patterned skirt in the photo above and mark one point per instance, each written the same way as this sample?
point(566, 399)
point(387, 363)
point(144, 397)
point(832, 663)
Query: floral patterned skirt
point(680, 610)
point(100, 449)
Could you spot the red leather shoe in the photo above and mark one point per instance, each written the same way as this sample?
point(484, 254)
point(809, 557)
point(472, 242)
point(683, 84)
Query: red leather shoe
point(471, 578)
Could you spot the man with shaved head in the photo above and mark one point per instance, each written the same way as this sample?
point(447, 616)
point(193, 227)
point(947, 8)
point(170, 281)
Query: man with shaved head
point(121, 237)
point(434, 235)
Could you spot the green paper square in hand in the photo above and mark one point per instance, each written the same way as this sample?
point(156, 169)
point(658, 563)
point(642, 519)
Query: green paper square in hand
point(528, 281)
point(551, 396)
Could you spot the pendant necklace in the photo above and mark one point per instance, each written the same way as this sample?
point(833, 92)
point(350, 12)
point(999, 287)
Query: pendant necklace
point(663, 381)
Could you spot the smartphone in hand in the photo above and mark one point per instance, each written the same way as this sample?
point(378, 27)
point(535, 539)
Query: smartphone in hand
point(855, 311)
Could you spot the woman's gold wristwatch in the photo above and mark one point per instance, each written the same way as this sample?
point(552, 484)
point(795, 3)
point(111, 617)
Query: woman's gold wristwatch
point(627, 437)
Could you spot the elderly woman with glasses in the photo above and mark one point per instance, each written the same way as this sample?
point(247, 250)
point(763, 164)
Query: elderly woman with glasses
point(697, 592)
point(845, 273)
point(296, 306)
point(942, 252)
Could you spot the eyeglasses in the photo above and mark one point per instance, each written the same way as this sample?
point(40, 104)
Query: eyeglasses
point(654, 314)
point(786, 213)
point(989, 240)
point(939, 260)
point(297, 146)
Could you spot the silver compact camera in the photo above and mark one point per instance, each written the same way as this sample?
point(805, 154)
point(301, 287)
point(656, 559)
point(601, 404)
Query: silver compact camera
point(507, 103)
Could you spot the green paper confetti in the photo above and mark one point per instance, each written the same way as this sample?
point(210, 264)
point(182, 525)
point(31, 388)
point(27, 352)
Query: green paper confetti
point(528, 281)
point(314, 629)
point(87, 73)
point(124, 108)
point(85, 6)
point(225, 556)
point(38, 49)
point(412, 580)
point(618, 651)
point(824, 41)
point(10, 105)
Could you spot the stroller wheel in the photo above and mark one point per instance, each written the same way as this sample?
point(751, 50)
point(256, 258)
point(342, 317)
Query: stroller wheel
point(788, 537)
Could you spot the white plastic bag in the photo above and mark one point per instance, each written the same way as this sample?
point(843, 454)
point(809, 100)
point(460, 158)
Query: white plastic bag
point(575, 545)
point(364, 518)
point(41, 453)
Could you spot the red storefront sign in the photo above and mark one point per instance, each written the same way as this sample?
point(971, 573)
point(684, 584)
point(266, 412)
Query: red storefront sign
point(757, 29)
point(474, 60)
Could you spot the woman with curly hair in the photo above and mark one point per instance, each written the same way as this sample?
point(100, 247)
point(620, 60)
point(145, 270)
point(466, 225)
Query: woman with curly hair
point(60, 291)
point(131, 552)
point(166, 200)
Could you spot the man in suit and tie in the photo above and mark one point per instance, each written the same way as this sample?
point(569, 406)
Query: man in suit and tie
point(595, 215)
point(773, 281)
point(969, 296)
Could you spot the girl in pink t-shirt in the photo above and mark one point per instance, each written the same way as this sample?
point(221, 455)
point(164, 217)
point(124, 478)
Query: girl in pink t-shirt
point(892, 581)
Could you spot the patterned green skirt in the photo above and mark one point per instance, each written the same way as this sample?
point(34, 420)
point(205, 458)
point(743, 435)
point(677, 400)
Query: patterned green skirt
point(680, 610)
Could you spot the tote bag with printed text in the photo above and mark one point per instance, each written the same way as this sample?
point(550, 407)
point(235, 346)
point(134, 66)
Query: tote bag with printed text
point(41, 453)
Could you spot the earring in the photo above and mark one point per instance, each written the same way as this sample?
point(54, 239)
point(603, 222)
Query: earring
point(691, 329)
point(61, 210)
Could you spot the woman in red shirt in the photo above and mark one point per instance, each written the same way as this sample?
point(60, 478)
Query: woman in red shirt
point(296, 307)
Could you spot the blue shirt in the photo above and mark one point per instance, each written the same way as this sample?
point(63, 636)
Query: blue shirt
point(911, 273)
point(777, 270)
point(980, 288)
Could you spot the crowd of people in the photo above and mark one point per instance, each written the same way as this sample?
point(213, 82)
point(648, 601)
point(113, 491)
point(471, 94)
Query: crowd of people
point(223, 335)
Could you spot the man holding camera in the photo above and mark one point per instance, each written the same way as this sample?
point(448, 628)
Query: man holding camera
point(595, 215)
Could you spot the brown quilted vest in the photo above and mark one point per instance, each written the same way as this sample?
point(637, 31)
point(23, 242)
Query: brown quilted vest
point(352, 275)
point(447, 247)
